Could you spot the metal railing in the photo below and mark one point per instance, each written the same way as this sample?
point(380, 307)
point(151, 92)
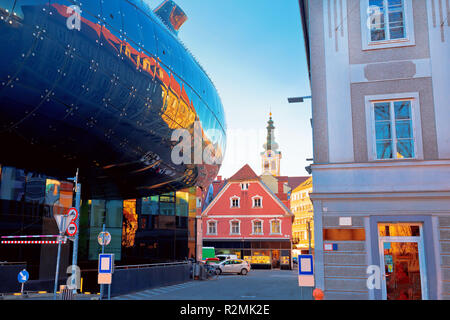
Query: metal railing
point(5, 263)
point(139, 266)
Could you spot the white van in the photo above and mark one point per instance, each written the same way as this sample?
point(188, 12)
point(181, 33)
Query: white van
point(223, 257)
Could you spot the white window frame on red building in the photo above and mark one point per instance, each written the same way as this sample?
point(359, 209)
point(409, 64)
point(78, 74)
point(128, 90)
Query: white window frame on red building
point(271, 226)
point(208, 226)
point(244, 186)
point(253, 227)
point(231, 227)
point(238, 203)
point(253, 201)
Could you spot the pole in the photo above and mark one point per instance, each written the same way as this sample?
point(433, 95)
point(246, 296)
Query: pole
point(309, 236)
point(75, 242)
point(103, 251)
point(109, 291)
point(63, 223)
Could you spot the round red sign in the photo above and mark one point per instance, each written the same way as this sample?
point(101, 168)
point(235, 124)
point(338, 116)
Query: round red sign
point(71, 229)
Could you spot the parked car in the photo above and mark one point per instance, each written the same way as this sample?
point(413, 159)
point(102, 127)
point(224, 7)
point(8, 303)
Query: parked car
point(212, 260)
point(233, 266)
point(223, 257)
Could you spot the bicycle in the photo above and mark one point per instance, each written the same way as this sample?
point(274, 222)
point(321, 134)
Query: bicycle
point(211, 272)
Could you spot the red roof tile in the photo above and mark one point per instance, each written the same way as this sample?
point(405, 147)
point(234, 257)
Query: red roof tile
point(245, 173)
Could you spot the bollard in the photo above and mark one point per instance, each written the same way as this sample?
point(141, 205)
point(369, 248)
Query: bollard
point(318, 294)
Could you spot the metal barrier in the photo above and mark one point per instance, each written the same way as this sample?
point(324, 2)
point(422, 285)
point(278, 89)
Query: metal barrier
point(140, 266)
point(133, 278)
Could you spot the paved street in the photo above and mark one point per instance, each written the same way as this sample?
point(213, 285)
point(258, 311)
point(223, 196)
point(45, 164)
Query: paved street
point(257, 285)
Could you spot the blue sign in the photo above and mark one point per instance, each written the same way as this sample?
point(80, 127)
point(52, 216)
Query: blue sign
point(305, 265)
point(105, 263)
point(23, 276)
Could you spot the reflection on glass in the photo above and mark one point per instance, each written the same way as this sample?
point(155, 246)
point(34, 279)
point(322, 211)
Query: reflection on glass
point(399, 230)
point(130, 223)
point(394, 138)
point(405, 148)
point(384, 150)
point(402, 269)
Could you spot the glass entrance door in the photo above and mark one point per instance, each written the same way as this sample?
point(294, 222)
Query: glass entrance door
point(402, 262)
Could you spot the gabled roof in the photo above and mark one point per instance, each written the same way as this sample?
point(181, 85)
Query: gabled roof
point(274, 196)
point(294, 182)
point(304, 185)
point(245, 173)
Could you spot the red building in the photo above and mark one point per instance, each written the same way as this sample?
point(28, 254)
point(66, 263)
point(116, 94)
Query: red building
point(246, 218)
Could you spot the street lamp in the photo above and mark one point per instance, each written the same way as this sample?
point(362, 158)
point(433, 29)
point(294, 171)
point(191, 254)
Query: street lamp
point(298, 99)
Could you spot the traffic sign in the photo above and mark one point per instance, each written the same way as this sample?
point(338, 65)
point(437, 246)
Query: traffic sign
point(72, 229)
point(104, 238)
point(104, 278)
point(59, 221)
point(305, 270)
point(73, 214)
point(305, 264)
point(106, 263)
point(23, 276)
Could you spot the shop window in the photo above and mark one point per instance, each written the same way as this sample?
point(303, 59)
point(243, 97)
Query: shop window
point(399, 230)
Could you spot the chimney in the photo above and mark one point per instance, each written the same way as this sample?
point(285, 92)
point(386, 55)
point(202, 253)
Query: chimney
point(219, 178)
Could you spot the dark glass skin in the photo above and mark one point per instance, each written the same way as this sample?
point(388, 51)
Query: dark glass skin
point(98, 98)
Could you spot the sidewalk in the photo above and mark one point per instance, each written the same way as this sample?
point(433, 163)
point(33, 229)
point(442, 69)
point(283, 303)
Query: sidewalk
point(48, 296)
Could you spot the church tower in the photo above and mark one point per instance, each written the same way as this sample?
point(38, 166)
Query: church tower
point(270, 158)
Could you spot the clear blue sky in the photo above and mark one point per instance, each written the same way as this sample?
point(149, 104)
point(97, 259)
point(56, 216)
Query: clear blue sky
point(253, 50)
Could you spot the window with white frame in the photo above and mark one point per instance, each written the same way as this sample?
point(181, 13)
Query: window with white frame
point(387, 23)
point(257, 202)
point(275, 226)
point(394, 130)
point(234, 202)
point(212, 227)
point(244, 186)
point(257, 227)
point(235, 227)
